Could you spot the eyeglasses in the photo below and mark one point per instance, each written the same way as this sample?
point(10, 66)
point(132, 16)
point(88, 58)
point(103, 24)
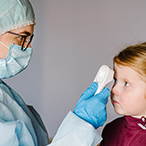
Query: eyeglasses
point(25, 40)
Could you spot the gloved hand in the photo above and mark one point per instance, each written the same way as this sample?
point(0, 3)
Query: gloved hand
point(92, 108)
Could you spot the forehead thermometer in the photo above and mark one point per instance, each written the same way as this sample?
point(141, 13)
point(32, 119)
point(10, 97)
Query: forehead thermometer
point(103, 77)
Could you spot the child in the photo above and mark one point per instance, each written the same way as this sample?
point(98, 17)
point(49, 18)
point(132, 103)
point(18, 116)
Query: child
point(128, 97)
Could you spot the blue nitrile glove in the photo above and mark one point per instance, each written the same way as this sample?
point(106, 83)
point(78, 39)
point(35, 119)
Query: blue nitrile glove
point(92, 108)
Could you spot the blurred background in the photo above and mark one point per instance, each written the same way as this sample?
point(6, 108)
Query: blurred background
point(73, 38)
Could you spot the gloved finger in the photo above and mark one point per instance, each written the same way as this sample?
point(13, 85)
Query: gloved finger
point(103, 118)
point(90, 91)
point(104, 94)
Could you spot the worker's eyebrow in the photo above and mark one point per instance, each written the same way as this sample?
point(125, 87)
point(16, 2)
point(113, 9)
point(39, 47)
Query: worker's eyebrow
point(25, 32)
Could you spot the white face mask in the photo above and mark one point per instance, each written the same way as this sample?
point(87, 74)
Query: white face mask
point(15, 62)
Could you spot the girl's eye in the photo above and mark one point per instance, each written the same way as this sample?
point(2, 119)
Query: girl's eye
point(115, 80)
point(127, 84)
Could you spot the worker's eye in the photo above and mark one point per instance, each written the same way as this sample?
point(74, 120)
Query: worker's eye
point(20, 38)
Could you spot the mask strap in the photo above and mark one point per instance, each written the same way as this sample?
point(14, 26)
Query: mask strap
point(4, 44)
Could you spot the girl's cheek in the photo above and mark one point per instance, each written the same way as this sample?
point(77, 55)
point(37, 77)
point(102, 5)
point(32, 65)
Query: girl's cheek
point(125, 100)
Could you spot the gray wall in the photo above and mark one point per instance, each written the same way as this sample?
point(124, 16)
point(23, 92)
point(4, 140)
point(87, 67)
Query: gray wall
point(73, 38)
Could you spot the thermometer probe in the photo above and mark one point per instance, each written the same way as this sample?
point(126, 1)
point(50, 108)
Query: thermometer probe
point(103, 77)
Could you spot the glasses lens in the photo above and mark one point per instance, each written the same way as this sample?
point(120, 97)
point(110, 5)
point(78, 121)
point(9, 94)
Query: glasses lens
point(26, 42)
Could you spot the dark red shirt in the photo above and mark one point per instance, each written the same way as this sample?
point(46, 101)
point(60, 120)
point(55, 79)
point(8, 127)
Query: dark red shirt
point(125, 131)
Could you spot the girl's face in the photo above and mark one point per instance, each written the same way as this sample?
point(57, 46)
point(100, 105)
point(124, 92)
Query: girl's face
point(128, 94)
point(8, 38)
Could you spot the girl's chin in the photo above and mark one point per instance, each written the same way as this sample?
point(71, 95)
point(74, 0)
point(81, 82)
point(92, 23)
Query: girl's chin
point(118, 111)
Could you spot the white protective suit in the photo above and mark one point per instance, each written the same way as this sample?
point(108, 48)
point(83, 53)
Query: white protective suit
point(21, 125)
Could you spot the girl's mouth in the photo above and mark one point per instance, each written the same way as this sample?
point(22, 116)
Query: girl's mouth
point(115, 102)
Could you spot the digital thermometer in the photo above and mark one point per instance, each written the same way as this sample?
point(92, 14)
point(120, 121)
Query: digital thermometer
point(103, 76)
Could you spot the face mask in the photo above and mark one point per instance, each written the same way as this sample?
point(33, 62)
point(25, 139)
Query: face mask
point(16, 61)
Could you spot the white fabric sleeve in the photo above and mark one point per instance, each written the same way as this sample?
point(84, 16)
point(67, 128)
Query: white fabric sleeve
point(75, 132)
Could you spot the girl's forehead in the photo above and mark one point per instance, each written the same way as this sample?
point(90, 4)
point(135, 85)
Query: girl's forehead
point(126, 72)
point(122, 67)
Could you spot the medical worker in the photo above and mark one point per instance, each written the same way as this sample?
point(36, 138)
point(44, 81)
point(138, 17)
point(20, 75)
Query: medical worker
point(20, 124)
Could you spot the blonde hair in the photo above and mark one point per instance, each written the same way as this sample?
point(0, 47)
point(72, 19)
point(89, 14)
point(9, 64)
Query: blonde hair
point(134, 57)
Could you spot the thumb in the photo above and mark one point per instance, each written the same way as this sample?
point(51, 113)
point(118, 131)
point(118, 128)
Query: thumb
point(104, 94)
point(90, 91)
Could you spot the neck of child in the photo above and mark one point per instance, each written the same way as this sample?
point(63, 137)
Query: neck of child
point(139, 117)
